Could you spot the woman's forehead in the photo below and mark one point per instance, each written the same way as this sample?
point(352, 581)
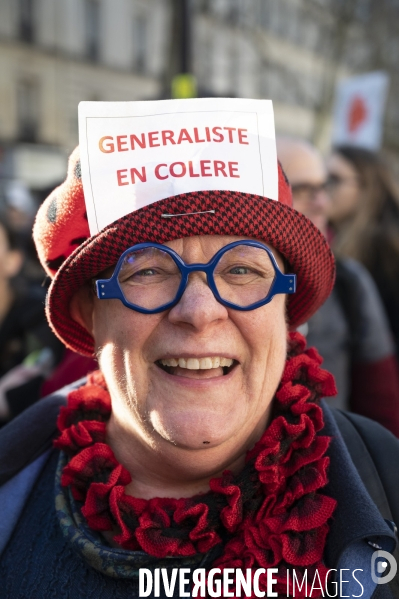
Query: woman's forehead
point(338, 164)
point(207, 243)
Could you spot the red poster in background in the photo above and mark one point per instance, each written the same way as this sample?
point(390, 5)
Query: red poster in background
point(359, 110)
point(357, 113)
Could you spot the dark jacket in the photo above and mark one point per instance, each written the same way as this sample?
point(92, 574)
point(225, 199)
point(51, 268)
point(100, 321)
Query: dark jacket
point(351, 332)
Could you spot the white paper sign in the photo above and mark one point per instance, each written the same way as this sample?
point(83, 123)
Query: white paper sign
point(136, 153)
point(359, 110)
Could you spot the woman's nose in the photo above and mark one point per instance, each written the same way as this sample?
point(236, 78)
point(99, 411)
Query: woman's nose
point(198, 306)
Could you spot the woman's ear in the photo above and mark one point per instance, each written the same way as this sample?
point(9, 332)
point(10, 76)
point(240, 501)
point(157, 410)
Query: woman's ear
point(81, 307)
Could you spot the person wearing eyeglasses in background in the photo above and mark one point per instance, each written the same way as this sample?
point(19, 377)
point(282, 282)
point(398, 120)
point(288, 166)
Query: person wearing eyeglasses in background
point(350, 330)
point(202, 443)
point(364, 218)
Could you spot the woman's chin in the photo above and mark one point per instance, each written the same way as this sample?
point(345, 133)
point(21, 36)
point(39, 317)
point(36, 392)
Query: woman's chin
point(194, 430)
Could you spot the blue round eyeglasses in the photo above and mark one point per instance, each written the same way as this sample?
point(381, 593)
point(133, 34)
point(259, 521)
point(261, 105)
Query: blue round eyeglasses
point(151, 277)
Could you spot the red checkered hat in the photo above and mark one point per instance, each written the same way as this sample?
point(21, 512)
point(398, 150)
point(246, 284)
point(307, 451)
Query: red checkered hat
point(72, 257)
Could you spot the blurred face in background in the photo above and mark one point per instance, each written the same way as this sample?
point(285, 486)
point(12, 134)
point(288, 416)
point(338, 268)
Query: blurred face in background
point(344, 188)
point(10, 259)
point(307, 175)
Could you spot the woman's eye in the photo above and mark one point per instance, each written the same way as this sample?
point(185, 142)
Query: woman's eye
point(146, 272)
point(239, 270)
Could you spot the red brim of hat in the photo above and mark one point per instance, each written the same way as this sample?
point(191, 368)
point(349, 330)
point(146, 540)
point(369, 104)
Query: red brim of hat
point(238, 214)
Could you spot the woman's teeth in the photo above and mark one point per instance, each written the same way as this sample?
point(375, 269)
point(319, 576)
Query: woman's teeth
point(198, 363)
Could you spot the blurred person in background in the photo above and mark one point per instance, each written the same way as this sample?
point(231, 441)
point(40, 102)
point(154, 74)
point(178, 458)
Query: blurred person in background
point(40, 364)
point(28, 348)
point(350, 330)
point(364, 214)
point(19, 207)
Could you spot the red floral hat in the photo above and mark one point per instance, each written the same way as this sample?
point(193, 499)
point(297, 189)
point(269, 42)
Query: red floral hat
point(72, 257)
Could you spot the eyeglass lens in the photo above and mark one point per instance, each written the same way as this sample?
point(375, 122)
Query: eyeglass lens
point(150, 278)
point(244, 275)
point(308, 192)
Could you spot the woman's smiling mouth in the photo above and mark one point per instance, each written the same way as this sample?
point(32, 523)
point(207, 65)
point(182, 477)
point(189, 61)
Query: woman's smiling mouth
point(197, 368)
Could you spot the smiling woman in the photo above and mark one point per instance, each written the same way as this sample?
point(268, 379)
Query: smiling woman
point(201, 443)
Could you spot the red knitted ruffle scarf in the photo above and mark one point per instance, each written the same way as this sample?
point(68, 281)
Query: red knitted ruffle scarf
point(270, 515)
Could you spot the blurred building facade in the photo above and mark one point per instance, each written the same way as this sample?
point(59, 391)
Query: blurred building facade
point(295, 52)
point(264, 49)
point(55, 53)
